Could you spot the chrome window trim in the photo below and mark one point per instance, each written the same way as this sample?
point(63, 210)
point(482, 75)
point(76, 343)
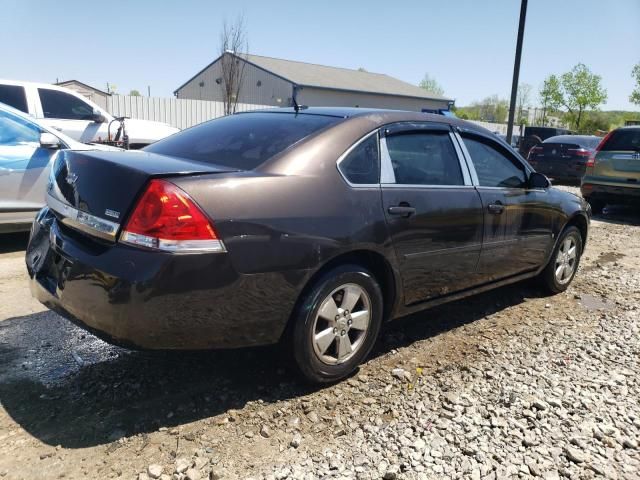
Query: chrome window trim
point(468, 161)
point(412, 185)
point(388, 177)
point(464, 168)
point(85, 222)
point(351, 149)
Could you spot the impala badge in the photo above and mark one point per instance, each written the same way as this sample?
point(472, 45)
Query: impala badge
point(112, 213)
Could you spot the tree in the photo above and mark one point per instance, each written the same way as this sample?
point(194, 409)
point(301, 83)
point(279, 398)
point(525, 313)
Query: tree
point(549, 95)
point(579, 90)
point(523, 102)
point(362, 69)
point(431, 85)
point(233, 47)
point(635, 93)
point(134, 93)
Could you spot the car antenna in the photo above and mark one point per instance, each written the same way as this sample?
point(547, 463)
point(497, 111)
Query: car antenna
point(294, 100)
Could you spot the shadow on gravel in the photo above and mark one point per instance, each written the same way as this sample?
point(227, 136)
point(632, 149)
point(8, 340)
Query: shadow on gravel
point(13, 242)
point(121, 393)
point(620, 215)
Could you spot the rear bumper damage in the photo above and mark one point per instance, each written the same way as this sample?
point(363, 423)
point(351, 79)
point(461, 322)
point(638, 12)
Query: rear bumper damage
point(154, 300)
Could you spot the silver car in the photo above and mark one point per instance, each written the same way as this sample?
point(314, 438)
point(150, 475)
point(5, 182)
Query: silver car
point(27, 149)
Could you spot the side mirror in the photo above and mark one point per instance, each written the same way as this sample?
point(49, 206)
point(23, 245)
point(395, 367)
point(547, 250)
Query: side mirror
point(50, 141)
point(98, 117)
point(538, 180)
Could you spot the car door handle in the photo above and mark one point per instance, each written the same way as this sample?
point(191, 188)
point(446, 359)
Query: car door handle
point(496, 208)
point(403, 210)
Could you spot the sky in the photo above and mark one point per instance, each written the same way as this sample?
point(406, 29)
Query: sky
point(467, 46)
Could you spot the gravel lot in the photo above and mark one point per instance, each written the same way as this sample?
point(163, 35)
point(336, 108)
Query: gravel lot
point(508, 384)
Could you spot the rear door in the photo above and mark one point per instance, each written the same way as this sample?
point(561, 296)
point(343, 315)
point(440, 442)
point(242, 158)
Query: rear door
point(433, 213)
point(518, 221)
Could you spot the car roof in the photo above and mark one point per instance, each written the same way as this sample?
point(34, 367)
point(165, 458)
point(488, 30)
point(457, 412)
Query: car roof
point(379, 115)
point(21, 83)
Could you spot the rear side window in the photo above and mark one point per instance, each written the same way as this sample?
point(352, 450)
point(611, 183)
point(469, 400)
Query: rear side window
point(56, 104)
point(242, 141)
point(424, 158)
point(494, 166)
point(623, 140)
point(362, 164)
point(14, 96)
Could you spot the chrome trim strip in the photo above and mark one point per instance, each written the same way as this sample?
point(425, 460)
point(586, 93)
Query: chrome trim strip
point(85, 222)
point(409, 185)
point(464, 168)
point(387, 175)
point(347, 152)
point(468, 161)
point(172, 246)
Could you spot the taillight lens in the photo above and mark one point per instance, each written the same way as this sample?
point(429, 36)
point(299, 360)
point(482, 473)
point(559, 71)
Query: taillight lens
point(579, 152)
point(534, 151)
point(592, 159)
point(166, 218)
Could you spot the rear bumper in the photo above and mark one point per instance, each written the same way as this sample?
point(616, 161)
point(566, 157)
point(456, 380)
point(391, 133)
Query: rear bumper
point(610, 193)
point(151, 300)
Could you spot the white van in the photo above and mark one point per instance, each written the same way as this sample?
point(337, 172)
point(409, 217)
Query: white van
point(74, 115)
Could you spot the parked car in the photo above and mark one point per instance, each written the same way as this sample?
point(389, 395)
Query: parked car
point(534, 136)
point(563, 157)
point(75, 115)
point(307, 227)
point(613, 173)
point(27, 150)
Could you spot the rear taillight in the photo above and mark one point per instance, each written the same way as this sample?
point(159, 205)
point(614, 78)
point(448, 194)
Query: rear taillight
point(592, 159)
point(579, 152)
point(534, 151)
point(166, 218)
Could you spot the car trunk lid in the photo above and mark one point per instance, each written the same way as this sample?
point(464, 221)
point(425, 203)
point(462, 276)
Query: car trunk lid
point(94, 191)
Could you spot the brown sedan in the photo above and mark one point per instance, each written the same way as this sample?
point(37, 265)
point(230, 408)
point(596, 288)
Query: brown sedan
point(309, 227)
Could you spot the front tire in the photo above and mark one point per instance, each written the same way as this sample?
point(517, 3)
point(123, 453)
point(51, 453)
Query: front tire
point(558, 274)
point(336, 324)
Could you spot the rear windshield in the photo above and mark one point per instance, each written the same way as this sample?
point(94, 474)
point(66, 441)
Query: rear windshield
point(242, 141)
point(584, 141)
point(623, 140)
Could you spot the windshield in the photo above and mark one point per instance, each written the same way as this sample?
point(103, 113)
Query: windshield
point(243, 141)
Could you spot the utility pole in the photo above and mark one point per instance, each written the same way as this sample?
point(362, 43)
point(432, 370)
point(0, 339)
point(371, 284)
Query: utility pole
point(148, 90)
point(516, 70)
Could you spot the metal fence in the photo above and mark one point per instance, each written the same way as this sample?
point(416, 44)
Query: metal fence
point(181, 113)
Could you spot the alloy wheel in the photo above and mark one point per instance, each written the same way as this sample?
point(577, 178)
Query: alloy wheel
point(341, 324)
point(566, 260)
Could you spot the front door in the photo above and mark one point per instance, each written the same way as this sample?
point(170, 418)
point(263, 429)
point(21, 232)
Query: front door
point(23, 168)
point(70, 115)
point(518, 226)
point(433, 213)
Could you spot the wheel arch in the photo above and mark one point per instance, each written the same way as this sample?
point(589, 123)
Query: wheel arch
point(581, 222)
point(371, 260)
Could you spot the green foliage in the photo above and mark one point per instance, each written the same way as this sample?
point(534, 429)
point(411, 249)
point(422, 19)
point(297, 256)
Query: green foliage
point(635, 93)
point(576, 91)
point(431, 85)
point(134, 93)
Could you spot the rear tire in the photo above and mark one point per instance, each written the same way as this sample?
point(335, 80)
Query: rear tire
point(336, 324)
point(564, 262)
point(597, 206)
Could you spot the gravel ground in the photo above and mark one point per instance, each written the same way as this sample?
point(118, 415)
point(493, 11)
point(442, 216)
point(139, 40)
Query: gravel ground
point(507, 384)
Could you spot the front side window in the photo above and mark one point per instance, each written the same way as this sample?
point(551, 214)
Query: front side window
point(424, 158)
point(494, 165)
point(56, 104)
point(15, 130)
point(362, 164)
point(14, 96)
